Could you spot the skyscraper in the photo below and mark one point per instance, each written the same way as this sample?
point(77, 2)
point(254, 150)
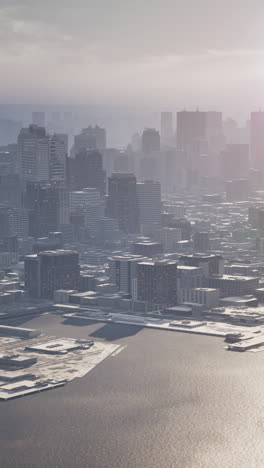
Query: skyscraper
point(43, 203)
point(149, 205)
point(257, 139)
point(201, 241)
point(90, 138)
point(89, 170)
point(123, 272)
point(33, 154)
point(51, 270)
point(191, 128)
point(157, 282)
point(122, 200)
point(13, 221)
point(166, 128)
point(150, 140)
point(58, 149)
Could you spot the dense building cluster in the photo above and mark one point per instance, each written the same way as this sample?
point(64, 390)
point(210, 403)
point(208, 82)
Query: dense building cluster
point(174, 220)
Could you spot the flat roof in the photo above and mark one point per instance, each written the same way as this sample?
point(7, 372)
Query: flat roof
point(234, 277)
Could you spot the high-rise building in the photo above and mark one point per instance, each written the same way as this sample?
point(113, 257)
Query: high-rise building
point(208, 297)
point(108, 230)
point(81, 198)
point(90, 138)
point(157, 282)
point(43, 201)
point(89, 170)
point(166, 126)
point(122, 203)
point(10, 189)
point(169, 237)
point(123, 272)
point(201, 241)
point(234, 285)
point(149, 205)
point(190, 277)
point(51, 270)
point(211, 264)
point(184, 225)
point(91, 205)
point(257, 139)
point(33, 154)
point(191, 128)
point(38, 118)
point(150, 140)
point(58, 149)
point(13, 221)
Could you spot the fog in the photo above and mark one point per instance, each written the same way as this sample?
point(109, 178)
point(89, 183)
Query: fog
point(141, 53)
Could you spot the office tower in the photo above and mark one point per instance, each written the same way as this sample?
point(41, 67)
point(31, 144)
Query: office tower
point(149, 205)
point(135, 142)
point(58, 149)
point(43, 203)
point(257, 140)
point(93, 213)
point(231, 286)
point(201, 241)
point(169, 237)
point(191, 128)
point(108, 230)
point(38, 118)
point(184, 225)
point(149, 167)
point(123, 272)
point(89, 170)
point(10, 189)
point(81, 198)
point(10, 244)
point(9, 131)
point(64, 208)
point(150, 141)
point(90, 138)
point(211, 264)
point(51, 270)
point(190, 277)
point(91, 205)
point(237, 190)
point(13, 221)
point(33, 154)
point(166, 126)
point(122, 201)
point(123, 162)
point(208, 297)
point(234, 161)
point(157, 282)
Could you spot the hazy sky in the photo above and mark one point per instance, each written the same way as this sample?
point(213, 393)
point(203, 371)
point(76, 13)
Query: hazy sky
point(208, 53)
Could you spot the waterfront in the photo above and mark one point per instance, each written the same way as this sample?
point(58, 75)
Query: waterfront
point(167, 400)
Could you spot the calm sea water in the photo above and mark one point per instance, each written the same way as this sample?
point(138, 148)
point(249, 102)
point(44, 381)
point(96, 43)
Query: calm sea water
point(167, 400)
